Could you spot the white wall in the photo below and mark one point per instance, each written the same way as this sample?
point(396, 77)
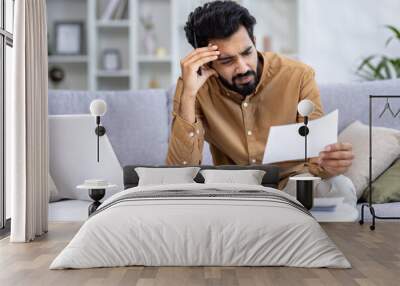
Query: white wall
point(336, 35)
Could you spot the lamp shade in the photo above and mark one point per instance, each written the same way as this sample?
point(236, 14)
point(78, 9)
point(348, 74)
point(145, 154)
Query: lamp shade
point(98, 107)
point(305, 107)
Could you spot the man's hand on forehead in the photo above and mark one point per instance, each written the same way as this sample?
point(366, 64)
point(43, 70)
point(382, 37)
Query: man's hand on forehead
point(190, 65)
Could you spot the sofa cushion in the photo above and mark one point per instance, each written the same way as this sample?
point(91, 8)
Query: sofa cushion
point(386, 188)
point(352, 101)
point(385, 150)
point(54, 196)
point(136, 121)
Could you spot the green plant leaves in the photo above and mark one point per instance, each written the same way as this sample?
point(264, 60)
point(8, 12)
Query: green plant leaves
point(378, 67)
point(396, 34)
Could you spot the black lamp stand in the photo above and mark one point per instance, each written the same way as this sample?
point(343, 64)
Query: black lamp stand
point(303, 131)
point(96, 195)
point(304, 193)
point(304, 188)
point(100, 131)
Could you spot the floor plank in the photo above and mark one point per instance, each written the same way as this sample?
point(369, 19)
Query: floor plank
point(374, 255)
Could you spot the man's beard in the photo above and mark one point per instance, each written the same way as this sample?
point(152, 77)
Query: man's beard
point(243, 89)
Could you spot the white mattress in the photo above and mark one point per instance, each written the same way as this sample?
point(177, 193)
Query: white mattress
point(201, 224)
point(76, 210)
point(339, 187)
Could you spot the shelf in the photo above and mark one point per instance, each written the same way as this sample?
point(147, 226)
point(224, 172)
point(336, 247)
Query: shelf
point(67, 59)
point(154, 59)
point(127, 34)
point(113, 23)
point(118, 73)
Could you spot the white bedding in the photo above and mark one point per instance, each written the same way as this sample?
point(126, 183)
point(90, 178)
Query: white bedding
point(185, 231)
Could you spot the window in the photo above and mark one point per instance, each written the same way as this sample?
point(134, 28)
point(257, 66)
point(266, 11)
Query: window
point(6, 44)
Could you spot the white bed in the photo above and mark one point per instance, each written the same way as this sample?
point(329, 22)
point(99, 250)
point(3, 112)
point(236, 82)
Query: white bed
point(184, 231)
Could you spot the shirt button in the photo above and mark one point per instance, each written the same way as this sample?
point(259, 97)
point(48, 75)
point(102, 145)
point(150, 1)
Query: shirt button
point(184, 162)
point(245, 104)
point(191, 134)
point(253, 160)
point(249, 132)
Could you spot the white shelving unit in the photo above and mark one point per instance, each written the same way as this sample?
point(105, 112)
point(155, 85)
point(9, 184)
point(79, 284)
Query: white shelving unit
point(60, 59)
point(108, 34)
point(277, 19)
point(113, 24)
point(75, 66)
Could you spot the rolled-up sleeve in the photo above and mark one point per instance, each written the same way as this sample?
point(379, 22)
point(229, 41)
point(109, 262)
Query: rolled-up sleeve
point(186, 140)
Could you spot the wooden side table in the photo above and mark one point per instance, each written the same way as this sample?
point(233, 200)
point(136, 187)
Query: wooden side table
point(96, 193)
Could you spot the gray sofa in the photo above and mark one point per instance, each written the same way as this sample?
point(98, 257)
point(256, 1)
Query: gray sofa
point(138, 122)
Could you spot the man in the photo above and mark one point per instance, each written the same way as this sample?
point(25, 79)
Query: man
point(229, 94)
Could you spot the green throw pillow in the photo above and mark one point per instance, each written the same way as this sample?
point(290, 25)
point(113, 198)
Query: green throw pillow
point(386, 188)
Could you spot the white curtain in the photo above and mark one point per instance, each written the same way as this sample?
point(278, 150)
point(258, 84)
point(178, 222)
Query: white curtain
point(27, 125)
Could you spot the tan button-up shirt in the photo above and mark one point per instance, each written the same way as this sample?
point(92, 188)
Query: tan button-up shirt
point(236, 127)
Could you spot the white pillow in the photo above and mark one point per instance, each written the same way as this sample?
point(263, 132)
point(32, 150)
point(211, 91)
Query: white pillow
point(249, 177)
point(385, 149)
point(161, 176)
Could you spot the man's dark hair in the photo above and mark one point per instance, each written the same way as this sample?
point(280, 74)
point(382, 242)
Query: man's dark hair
point(217, 20)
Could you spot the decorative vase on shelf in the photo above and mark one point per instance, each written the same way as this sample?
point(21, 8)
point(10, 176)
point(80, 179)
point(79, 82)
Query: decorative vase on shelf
point(111, 59)
point(149, 42)
point(149, 36)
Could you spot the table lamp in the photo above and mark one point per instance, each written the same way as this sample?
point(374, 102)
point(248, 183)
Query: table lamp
point(98, 108)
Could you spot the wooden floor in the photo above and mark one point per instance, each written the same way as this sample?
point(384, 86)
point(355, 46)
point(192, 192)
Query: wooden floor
point(374, 255)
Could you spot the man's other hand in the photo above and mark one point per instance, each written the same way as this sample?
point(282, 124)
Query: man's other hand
point(336, 158)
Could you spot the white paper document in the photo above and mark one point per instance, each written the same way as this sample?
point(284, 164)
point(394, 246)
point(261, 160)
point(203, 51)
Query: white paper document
point(285, 143)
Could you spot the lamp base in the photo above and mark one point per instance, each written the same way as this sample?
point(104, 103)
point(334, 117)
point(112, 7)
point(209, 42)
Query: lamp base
point(304, 190)
point(96, 195)
point(304, 193)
